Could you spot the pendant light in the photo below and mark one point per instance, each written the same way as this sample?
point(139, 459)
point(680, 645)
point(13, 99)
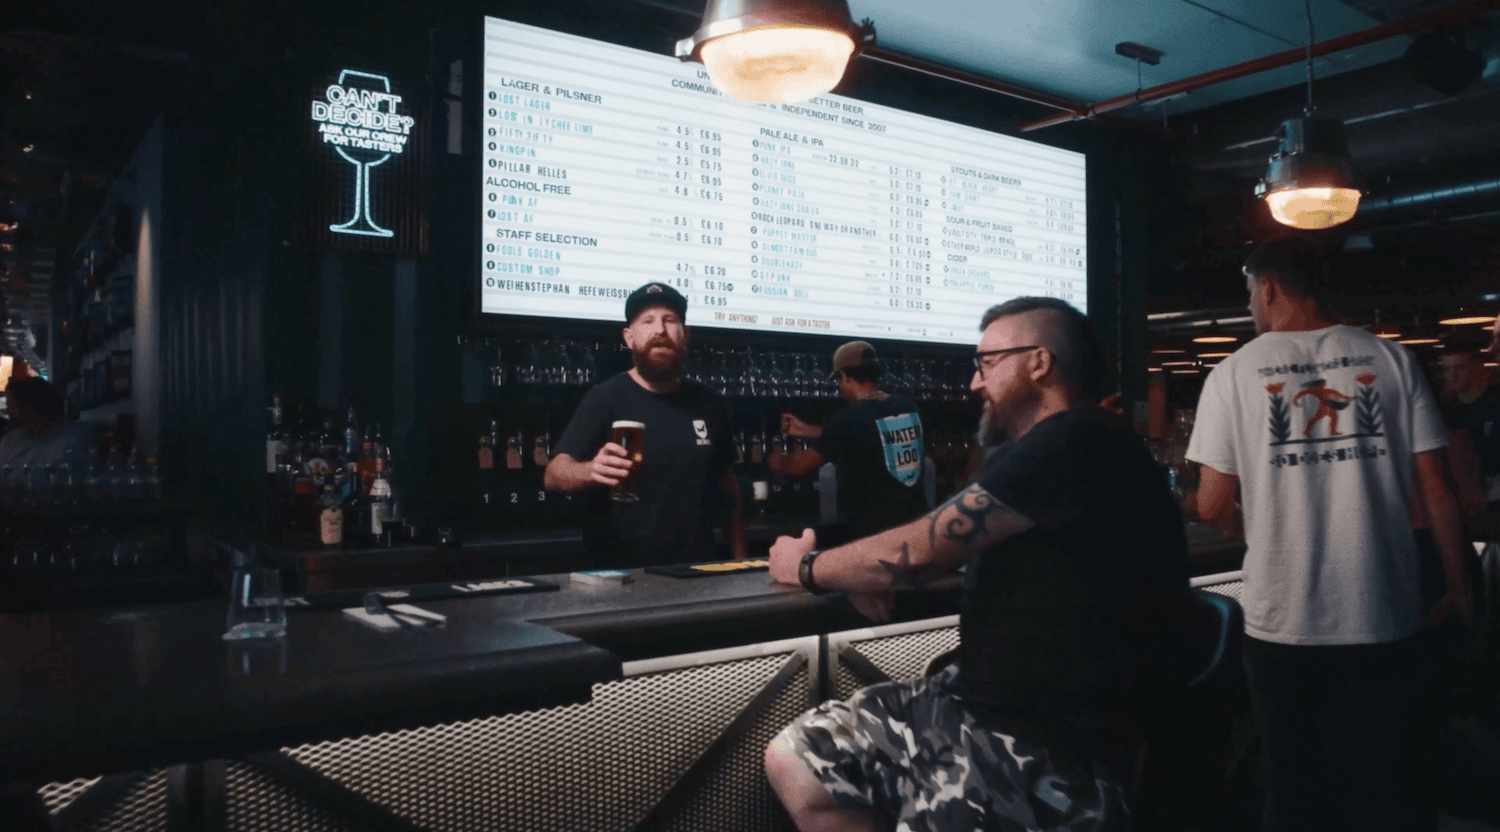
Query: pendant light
point(1310, 182)
point(1385, 329)
point(775, 51)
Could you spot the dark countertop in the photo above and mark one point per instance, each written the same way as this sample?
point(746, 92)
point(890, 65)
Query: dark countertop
point(91, 692)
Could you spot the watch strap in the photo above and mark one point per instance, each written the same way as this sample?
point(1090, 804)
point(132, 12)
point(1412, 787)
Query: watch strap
point(805, 571)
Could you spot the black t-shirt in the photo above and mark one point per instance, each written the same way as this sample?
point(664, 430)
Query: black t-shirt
point(1045, 614)
point(687, 448)
point(877, 447)
point(1481, 418)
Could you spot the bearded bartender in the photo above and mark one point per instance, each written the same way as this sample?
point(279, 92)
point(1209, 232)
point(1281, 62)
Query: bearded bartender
point(685, 478)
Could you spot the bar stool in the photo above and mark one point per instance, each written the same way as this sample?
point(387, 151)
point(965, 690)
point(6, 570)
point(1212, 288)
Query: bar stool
point(1212, 629)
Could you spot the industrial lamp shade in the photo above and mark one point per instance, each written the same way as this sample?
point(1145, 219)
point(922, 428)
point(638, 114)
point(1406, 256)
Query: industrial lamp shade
point(773, 51)
point(1310, 183)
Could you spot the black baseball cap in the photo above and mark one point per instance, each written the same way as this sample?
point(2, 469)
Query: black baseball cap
point(655, 294)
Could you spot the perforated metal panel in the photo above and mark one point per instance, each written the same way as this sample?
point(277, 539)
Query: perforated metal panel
point(1231, 588)
point(57, 796)
point(901, 657)
point(142, 809)
point(596, 766)
point(258, 802)
point(736, 797)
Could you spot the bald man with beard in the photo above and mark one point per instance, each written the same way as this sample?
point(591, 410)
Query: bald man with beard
point(1067, 531)
point(685, 479)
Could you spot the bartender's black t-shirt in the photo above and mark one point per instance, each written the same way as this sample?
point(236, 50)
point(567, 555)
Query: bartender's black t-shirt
point(687, 448)
point(877, 447)
point(1045, 614)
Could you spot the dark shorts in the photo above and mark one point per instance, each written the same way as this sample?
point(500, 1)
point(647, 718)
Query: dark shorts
point(911, 751)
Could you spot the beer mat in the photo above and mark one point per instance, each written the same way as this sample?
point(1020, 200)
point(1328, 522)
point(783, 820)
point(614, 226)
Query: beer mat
point(704, 570)
point(422, 592)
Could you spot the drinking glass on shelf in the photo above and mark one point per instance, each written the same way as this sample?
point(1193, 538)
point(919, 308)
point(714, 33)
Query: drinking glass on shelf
point(925, 381)
point(719, 377)
point(776, 381)
point(909, 379)
point(800, 381)
point(496, 357)
point(529, 371)
point(755, 374)
point(588, 368)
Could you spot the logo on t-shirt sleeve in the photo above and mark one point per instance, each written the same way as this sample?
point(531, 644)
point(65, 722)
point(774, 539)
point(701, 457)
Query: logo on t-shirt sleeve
point(700, 427)
point(901, 438)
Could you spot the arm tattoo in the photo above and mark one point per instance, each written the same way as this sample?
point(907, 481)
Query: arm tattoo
point(971, 507)
point(903, 574)
point(973, 518)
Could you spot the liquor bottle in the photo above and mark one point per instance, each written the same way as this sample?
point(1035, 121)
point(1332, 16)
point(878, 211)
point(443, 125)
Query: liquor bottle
point(365, 467)
point(355, 512)
point(351, 438)
point(275, 435)
point(380, 507)
point(378, 441)
point(325, 455)
point(330, 517)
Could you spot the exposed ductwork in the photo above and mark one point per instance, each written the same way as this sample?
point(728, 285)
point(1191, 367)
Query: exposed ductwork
point(1430, 199)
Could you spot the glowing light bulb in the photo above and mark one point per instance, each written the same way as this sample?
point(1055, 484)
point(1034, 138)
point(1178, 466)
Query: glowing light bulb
point(775, 64)
point(1313, 208)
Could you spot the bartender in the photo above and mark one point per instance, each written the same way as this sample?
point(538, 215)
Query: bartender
point(876, 445)
point(685, 477)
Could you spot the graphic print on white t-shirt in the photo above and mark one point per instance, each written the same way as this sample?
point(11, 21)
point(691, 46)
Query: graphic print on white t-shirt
point(1321, 425)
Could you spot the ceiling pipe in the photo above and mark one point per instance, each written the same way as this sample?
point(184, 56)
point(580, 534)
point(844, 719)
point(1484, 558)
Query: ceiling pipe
point(1448, 16)
point(1431, 197)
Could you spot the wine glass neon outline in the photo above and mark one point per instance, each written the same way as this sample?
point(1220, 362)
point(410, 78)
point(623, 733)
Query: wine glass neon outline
point(362, 177)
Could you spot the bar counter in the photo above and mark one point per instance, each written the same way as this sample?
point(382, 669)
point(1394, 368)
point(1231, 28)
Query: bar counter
point(643, 705)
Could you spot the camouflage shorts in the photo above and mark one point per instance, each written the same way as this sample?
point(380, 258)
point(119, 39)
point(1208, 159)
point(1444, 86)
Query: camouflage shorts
point(912, 752)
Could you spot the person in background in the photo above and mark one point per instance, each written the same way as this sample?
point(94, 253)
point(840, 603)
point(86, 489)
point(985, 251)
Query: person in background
point(876, 444)
point(1473, 405)
point(685, 475)
point(1332, 606)
point(1468, 484)
point(40, 433)
point(1067, 531)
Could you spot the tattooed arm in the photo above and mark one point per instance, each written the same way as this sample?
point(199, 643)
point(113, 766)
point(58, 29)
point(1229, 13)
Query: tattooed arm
point(908, 556)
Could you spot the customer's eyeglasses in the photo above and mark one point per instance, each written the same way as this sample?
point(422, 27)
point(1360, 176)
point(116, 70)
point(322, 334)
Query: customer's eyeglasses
point(980, 364)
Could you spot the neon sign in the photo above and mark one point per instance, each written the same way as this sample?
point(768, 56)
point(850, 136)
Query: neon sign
point(359, 118)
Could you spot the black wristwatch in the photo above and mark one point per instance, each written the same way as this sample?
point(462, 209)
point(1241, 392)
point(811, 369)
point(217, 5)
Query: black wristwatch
point(804, 572)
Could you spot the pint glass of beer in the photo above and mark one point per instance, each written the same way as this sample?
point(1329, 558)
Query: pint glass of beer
point(630, 436)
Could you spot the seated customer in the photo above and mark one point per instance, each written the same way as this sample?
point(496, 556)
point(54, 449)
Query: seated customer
point(1067, 531)
point(40, 433)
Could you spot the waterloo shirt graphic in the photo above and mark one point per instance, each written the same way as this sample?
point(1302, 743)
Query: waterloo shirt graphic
point(1321, 407)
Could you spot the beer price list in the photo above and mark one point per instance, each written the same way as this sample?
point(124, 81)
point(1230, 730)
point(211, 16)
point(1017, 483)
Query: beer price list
point(606, 168)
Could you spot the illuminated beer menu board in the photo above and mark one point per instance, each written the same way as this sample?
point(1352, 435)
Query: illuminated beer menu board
point(607, 167)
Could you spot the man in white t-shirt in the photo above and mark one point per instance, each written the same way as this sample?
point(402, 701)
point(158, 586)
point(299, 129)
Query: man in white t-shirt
point(1326, 430)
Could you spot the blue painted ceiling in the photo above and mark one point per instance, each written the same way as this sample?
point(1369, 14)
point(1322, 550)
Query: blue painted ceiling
point(1067, 47)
